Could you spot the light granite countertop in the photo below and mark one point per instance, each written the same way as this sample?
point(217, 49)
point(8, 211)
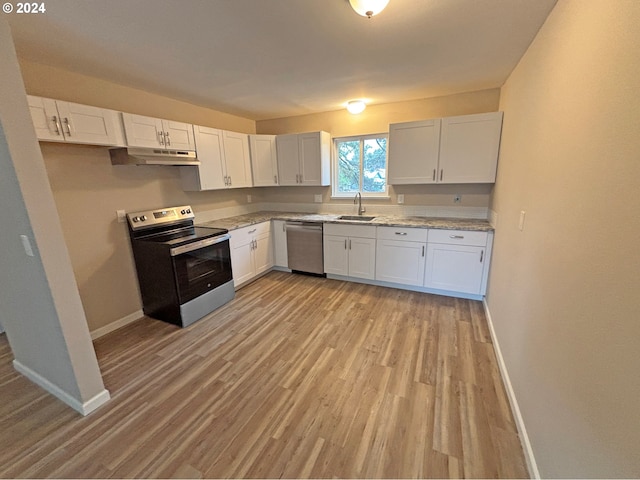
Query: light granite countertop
point(233, 223)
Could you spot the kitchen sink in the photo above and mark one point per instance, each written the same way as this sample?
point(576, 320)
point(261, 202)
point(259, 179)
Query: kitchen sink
point(358, 218)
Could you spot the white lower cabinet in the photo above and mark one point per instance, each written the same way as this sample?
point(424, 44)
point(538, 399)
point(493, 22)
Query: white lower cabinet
point(350, 250)
point(251, 252)
point(457, 261)
point(400, 255)
point(281, 258)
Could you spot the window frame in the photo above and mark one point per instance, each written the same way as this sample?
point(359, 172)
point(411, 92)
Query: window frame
point(334, 167)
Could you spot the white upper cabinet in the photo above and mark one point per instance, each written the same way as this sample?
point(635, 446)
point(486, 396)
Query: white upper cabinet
point(413, 152)
point(237, 160)
point(264, 161)
point(469, 147)
point(152, 132)
point(59, 121)
point(304, 158)
point(224, 161)
point(461, 149)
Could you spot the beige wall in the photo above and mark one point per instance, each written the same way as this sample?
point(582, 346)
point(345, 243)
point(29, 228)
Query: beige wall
point(376, 119)
point(40, 306)
point(563, 293)
point(88, 189)
point(46, 81)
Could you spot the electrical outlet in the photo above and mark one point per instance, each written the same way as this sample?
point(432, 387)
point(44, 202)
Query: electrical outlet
point(401, 198)
point(248, 198)
point(121, 215)
point(457, 198)
point(317, 198)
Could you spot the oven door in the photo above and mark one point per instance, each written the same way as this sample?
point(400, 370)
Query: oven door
point(201, 266)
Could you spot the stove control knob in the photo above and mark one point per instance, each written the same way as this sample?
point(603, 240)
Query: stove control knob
point(135, 219)
point(188, 210)
point(143, 218)
point(183, 211)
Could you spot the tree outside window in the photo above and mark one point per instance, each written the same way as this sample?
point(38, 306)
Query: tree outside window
point(361, 165)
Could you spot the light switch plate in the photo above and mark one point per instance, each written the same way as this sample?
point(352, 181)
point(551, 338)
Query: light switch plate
point(317, 198)
point(121, 215)
point(401, 198)
point(521, 221)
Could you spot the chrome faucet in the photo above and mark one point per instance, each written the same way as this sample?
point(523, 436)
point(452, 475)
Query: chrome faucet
point(358, 199)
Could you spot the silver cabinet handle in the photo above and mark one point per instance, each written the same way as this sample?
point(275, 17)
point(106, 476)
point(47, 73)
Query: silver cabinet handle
point(401, 233)
point(434, 174)
point(55, 122)
point(345, 243)
point(167, 139)
point(423, 250)
point(481, 255)
point(456, 236)
point(253, 231)
point(441, 173)
point(349, 244)
point(68, 124)
point(161, 138)
point(230, 182)
point(275, 179)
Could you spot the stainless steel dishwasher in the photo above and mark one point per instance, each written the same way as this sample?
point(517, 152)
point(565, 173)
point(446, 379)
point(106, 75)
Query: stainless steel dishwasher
point(304, 247)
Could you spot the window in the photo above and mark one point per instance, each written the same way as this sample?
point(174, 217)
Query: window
point(360, 165)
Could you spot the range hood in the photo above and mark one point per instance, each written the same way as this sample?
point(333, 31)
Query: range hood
point(152, 156)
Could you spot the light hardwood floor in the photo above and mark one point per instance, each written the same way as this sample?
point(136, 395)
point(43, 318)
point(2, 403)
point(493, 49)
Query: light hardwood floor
point(298, 377)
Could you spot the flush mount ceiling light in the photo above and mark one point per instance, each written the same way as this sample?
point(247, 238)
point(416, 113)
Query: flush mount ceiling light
point(356, 106)
point(368, 8)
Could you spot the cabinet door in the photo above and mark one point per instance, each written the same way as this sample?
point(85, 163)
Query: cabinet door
point(178, 135)
point(336, 258)
point(46, 119)
point(280, 244)
point(457, 268)
point(143, 131)
point(209, 175)
point(237, 159)
point(264, 162)
point(86, 124)
point(469, 148)
point(314, 158)
point(263, 252)
point(413, 152)
point(400, 262)
point(288, 159)
point(362, 257)
point(242, 258)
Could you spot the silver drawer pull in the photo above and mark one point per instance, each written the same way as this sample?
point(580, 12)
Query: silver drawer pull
point(55, 121)
point(253, 231)
point(456, 236)
point(481, 255)
point(401, 233)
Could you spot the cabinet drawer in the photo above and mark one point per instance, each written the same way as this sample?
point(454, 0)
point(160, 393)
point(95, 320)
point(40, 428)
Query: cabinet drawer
point(361, 231)
point(402, 233)
point(458, 237)
point(252, 231)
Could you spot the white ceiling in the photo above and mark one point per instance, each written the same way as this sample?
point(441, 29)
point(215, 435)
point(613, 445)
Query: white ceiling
point(276, 58)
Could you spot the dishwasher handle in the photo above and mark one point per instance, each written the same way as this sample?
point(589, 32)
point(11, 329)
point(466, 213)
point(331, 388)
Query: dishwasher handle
point(302, 226)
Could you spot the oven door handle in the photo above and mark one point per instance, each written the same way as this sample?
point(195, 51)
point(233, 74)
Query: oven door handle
point(190, 247)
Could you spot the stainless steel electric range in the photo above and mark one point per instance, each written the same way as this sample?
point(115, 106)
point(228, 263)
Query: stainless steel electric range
point(184, 271)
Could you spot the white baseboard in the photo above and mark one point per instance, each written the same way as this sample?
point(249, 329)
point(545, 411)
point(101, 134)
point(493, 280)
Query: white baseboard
point(83, 408)
point(515, 408)
point(132, 317)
